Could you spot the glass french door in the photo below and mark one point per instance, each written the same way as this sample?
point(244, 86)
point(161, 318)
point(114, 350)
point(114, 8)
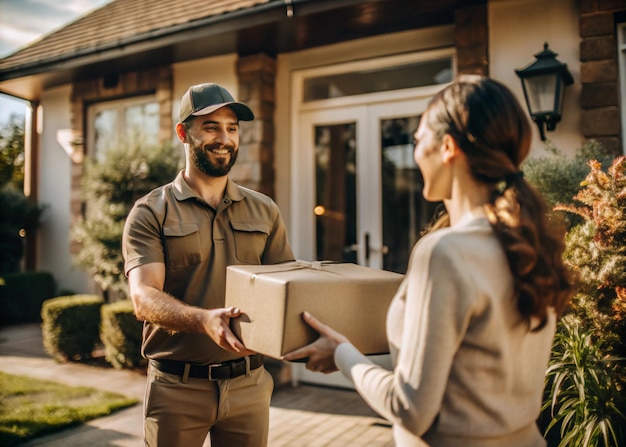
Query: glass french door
point(358, 191)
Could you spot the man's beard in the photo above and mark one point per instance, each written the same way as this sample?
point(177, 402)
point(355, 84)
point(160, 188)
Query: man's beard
point(219, 168)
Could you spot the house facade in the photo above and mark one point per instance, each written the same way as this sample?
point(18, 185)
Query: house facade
point(337, 88)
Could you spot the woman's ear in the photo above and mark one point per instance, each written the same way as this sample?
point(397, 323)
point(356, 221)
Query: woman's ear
point(449, 148)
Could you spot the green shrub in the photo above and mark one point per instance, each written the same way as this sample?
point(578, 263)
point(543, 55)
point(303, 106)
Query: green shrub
point(22, 295)
point(120, 333)
point(586, 378)
point(110, 188)
point(585, 401)
point(597, 250)
point(71, 326)
point(558, 177)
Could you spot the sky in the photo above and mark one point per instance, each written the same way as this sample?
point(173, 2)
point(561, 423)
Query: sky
point(24, 21)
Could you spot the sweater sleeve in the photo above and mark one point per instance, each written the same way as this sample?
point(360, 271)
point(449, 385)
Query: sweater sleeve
point(435, 319)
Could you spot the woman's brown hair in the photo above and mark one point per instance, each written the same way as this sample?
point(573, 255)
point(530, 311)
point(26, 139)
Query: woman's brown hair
point(492, 130)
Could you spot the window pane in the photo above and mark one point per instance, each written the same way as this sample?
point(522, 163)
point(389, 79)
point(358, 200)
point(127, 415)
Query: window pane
point(142, 122)
point(418, 74)
point(105, 131)
point(114, 122)
point(405, 212)
point(335, 176)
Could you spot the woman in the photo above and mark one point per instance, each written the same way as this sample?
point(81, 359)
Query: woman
point(471, 327)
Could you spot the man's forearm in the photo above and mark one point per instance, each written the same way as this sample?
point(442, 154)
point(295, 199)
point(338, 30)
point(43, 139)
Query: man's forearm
point(160, 308)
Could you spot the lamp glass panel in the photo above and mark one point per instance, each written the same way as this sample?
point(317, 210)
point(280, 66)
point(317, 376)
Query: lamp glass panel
point(559, 98)
point(541, 91)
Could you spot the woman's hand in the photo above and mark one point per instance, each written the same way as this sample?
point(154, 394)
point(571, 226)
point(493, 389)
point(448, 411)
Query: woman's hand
point(319, 354)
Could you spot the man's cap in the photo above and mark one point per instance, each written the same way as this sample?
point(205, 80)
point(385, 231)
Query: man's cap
point(203, 99)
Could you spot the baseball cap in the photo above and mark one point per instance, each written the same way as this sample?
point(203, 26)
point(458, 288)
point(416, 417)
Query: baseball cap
point(203, 99)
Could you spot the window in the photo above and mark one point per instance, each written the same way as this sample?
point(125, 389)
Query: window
point(379, 79)
point(621, 42)
point(112, 122)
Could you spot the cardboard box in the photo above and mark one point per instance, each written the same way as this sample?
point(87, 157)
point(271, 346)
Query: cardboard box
point(350, 298)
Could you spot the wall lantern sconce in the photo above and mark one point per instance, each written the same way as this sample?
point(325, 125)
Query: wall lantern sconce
point(544, 82)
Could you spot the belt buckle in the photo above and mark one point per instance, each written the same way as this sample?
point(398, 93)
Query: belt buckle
point(215, 365)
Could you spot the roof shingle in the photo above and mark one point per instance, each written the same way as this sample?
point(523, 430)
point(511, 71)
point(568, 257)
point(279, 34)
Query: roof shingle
point(120, 21)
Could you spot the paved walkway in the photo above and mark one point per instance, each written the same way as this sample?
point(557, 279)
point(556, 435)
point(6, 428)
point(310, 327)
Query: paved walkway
point(302, 416)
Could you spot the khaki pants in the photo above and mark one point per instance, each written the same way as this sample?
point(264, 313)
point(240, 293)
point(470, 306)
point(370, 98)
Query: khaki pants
point(235, 411)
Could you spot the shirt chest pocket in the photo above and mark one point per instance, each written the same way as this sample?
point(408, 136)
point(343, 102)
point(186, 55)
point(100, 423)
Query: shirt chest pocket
point(183, 247)
point(250, 240)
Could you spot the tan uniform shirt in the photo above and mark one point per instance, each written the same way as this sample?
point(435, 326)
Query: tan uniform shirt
point(173, 226)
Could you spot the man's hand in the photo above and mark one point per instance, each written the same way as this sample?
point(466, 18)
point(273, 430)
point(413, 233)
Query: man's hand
point(217, 326)
point(319, 354)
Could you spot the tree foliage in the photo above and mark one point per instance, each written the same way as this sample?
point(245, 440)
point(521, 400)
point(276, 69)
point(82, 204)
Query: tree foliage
point(12, 153)
point(19, 217)
point(110, 188)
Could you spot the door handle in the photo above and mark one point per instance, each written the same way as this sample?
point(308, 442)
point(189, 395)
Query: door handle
point(368, 249)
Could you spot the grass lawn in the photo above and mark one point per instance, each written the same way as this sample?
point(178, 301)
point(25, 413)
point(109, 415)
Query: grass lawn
point(31, 407)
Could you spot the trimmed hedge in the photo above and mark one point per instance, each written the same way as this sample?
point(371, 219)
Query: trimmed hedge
point(120, 333)
point(71, 326)
point(22, 296)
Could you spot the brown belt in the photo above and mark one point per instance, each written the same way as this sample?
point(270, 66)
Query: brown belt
point(216, 371)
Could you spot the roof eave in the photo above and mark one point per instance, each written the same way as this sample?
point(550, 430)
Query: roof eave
point(155, 39)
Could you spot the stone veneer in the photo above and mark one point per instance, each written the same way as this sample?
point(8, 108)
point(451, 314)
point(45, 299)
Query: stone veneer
point(255, 165)
point(599, 71)
point(471, 38)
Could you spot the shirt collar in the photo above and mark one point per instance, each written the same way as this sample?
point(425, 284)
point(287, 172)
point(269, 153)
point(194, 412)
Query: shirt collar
point(182, 190)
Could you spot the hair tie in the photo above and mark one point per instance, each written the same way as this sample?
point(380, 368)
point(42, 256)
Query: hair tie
point(517, 175)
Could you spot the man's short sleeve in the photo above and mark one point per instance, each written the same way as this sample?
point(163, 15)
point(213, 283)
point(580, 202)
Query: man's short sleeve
point(141, 240)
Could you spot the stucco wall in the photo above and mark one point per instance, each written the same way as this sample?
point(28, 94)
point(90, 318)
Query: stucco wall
point(517, 31)
point(54, 191)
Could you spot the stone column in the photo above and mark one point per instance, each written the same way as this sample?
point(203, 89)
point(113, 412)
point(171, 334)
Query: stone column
point(255, 165)
point(471, 38)
point(599, 73)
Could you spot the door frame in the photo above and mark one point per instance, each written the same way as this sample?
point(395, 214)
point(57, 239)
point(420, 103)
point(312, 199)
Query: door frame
point(366, 110)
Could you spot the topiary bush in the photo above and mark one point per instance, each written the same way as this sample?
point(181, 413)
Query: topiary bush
point(71, 326)
point(120, 332)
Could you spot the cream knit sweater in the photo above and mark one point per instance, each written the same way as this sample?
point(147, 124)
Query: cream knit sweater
point(467, 370)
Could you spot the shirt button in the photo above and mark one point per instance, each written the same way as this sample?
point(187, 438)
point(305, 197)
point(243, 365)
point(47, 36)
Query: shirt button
point(226, 200)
